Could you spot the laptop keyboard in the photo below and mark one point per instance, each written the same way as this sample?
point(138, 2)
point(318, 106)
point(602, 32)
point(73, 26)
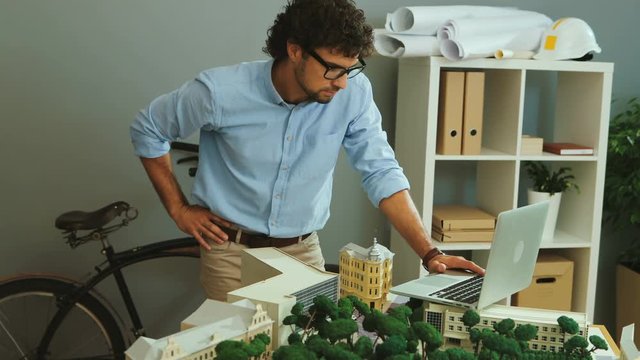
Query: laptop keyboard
point(467, 291)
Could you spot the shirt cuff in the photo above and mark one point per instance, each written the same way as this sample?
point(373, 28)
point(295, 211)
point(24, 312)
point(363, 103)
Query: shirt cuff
point(391, 184)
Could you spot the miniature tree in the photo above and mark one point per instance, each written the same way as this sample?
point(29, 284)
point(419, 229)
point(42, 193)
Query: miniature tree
point(470, 318)
point(402, 313)
point(429, 337)
point(385, 325)
point(393, 345)
point(239, 350)
point(505, 327)
point(341, 329)
point(363, 347)
point(231, 350)
point(362, 308)
point(317, 344)
point(598, 343)
point(567, 326)
point(294, 352)
point(416, 308)
point(525, 333)
point(345, 308)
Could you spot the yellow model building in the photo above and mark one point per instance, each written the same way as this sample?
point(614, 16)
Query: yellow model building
point(366, 273)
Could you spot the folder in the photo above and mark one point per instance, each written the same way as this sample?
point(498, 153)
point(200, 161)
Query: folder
point(450, 106)
point(472, 113)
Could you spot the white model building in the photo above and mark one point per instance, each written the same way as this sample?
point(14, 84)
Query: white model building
point(448, 320)
point(366, 273)
point(213, 322)
point(273, 280)
point(277, 280)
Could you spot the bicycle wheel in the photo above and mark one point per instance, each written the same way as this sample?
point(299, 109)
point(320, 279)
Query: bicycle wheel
point(27, 305)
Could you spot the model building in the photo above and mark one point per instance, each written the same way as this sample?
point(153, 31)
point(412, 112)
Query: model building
point(277, 281)
point(273, 282)
point(366, 273)
point(448, 320)
point(213, 322)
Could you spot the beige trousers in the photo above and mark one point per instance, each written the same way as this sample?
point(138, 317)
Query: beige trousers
point(220, 267)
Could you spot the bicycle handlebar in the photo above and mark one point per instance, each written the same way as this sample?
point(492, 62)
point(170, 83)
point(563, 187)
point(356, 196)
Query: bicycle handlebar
point(179, 145)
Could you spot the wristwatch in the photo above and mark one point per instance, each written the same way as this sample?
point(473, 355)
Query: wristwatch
point(429, 256)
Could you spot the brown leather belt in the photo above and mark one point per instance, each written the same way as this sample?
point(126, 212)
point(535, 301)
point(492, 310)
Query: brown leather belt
point(261, 240)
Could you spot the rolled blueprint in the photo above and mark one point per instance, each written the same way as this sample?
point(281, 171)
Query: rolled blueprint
point(454, 29)
point(398, 45)
point(486, 46)
point(425, 20)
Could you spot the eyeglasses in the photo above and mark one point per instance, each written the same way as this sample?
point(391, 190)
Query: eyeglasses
point(334, 72)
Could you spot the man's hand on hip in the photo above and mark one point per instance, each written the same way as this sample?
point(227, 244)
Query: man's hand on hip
point(202, 224)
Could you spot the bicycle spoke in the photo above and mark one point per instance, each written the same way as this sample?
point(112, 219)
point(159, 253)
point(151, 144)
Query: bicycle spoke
point(3, 319)
point(25, 316)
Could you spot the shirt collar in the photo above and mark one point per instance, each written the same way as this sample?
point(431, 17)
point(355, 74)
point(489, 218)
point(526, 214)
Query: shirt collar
point(271, 91)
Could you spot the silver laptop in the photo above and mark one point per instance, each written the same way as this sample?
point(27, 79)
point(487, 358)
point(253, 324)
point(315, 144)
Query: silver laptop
point(512, 259)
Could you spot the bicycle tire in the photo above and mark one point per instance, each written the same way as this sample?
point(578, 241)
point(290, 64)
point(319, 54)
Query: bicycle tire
point(88, 332)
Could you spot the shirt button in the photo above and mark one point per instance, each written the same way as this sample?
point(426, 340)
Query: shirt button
point(285, 168)
point(277, 196)
point(273, 222)
point(289, 138)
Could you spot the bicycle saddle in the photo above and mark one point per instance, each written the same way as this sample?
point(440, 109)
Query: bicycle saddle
point(81, 220)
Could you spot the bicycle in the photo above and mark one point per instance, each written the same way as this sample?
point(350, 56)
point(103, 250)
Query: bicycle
point(50, 317)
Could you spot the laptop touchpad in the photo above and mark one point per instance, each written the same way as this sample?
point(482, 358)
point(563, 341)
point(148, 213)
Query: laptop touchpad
point(438, 281)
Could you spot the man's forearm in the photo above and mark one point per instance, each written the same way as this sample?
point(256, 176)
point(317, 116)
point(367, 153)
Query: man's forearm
point(165, 183)
point(403, 215)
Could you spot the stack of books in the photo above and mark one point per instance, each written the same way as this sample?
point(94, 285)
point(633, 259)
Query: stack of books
point(567, 148)
point(461, 223)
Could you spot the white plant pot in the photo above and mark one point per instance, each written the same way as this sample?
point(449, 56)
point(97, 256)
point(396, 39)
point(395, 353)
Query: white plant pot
point(552, 216)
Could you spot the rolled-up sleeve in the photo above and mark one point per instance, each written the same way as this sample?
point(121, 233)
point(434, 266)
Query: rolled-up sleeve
point(371, 155)
point(172, 116)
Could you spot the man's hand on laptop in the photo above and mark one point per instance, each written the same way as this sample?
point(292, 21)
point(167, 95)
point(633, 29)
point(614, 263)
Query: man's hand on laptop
point(437, 261)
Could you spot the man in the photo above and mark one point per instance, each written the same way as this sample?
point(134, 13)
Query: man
point(270, 133)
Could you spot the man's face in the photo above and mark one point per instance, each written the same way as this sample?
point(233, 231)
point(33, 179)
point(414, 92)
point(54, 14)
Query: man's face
point(310, 74)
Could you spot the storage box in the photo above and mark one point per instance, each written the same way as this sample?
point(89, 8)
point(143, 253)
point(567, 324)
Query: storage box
point(531, 145)
point(551, 286)
point(461, 217)
point(462, 235)
point(627, 295)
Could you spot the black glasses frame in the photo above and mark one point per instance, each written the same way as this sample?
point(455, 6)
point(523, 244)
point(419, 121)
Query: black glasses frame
point(349, 71)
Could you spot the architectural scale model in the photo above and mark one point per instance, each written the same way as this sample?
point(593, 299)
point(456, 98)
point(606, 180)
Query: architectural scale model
point(277, 281)
point(628, 350)
point(213, 322)
point(366, 273)
point(448, 320)
point(273, 280)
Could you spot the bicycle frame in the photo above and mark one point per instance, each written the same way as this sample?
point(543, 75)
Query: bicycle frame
point(116, 261)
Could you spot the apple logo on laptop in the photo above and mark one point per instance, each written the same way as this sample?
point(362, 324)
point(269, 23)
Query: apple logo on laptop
point(518, 251)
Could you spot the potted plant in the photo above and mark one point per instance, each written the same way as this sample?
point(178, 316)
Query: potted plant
point(622, 207)
point(549, 185)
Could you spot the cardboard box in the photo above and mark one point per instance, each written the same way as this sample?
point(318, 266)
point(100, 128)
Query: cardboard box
point(551, 286)
point(462, 235)
point(531, 145)
point(461, 217)
point(627, 295)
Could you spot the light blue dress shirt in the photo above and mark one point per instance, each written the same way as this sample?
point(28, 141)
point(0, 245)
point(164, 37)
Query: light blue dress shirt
point(267, 165)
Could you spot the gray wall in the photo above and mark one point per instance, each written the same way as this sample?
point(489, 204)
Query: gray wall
point(73, 73)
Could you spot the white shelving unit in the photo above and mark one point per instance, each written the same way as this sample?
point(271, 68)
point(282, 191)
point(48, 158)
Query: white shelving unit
point(565, 101)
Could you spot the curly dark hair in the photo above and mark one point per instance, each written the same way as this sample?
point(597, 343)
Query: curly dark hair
point(335, 24)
